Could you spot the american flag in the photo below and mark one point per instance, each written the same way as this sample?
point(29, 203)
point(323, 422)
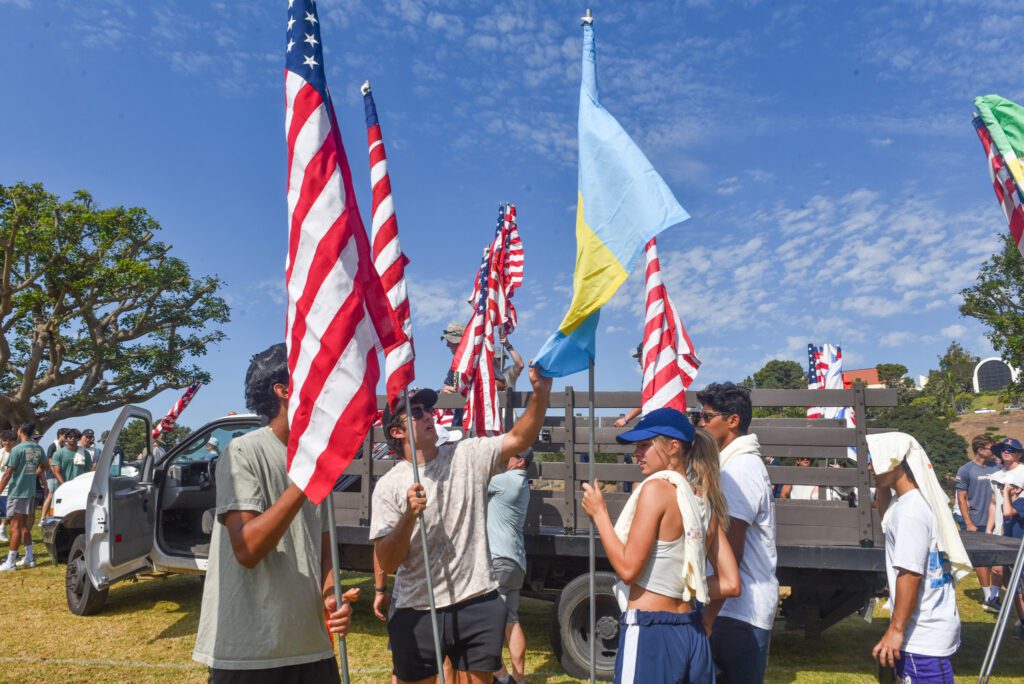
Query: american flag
point(473, 361)
point(669, 360)
point(388, 258)
point(1008, 193)
point(825, 371)
point(168, 422)
point(337, 308)
point(507, 243)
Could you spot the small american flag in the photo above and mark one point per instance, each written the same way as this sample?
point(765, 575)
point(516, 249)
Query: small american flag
point(825, 371)
point(669, 360)
point(337, 308)
point(168, 422)
point(388, 258)
point(509, 246)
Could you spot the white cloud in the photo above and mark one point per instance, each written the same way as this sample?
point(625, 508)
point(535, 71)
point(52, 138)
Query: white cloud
point(954, 331)
point(897, 338)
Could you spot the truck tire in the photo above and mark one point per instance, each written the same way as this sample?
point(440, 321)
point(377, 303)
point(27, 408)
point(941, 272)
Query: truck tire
point(83, 597)
point(570, 627)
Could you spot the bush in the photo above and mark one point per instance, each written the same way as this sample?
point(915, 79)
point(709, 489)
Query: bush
point(944, 447)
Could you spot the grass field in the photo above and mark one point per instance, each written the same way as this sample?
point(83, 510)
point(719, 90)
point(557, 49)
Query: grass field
point(147, 631)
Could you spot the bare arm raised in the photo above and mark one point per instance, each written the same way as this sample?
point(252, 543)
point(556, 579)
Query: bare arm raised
point(524, 433)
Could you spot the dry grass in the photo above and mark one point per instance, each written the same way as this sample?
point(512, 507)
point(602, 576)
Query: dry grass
point(147, 631)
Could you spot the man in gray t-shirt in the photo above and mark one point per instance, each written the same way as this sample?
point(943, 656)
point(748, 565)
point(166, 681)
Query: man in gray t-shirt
point(269, 577)
point(973, 495)
point(452, 498)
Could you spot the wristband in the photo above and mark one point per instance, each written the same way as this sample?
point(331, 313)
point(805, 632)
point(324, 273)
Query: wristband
point(381, 590)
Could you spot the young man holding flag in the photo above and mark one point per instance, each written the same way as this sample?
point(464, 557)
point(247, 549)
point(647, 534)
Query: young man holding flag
point(453, 497)
point(269, 578)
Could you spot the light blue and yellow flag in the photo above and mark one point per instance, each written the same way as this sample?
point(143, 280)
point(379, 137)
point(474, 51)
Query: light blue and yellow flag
point(622, 204)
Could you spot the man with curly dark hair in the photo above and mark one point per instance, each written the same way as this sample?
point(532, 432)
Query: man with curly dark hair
point(269, 577)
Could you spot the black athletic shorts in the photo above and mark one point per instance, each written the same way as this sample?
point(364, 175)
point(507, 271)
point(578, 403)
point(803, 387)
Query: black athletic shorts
point(325, 671)
point(472, 635)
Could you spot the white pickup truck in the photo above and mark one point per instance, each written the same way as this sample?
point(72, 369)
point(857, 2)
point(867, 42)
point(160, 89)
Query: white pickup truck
point(138, 513)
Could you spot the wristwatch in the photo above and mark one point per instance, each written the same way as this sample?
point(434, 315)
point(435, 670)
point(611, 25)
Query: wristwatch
point(381, 590)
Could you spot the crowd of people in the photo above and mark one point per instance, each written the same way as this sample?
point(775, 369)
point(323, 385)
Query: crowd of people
point(29, 475)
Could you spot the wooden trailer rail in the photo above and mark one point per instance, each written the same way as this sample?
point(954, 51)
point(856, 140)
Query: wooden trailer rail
point(562, 463)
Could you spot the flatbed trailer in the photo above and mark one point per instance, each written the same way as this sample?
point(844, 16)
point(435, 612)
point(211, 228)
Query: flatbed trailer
point(831, 554)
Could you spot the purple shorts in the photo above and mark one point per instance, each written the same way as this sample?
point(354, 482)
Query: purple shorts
point(921, 669)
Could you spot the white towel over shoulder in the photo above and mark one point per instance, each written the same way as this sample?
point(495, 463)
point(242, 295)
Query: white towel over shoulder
point(693, 525)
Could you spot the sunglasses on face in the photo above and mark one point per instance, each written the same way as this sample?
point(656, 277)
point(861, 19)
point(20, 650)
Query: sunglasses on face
point(706, 416)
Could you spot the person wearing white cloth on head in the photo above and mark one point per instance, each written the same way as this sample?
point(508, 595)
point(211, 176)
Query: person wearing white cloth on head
point(924, 558)
point(671, 526)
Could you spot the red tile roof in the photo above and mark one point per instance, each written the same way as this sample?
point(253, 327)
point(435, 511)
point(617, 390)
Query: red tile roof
point(869, 376)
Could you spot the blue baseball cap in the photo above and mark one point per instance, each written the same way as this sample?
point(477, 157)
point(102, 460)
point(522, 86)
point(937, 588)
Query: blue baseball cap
point(666, 422)
point(1008, 444)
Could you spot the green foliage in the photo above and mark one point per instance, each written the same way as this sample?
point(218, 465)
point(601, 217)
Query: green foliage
point(95, 312)
point(950, 386)
point(944, 446)
point(894, 375)
point(997, 300)
point(133, 437)
point(779, 374)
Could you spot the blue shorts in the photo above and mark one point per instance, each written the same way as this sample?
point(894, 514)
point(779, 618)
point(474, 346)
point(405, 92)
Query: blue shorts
point(657, 647)
point(920, 669)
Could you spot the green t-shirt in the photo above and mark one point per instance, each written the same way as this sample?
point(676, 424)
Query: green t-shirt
point(25, 458)
point(62, 458)
point(72, 463)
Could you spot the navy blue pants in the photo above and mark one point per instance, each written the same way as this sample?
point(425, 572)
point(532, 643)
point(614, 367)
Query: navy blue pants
point(740, 650)
point(663, 648)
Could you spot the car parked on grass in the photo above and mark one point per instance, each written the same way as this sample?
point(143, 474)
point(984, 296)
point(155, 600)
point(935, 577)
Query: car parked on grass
point(139, 512)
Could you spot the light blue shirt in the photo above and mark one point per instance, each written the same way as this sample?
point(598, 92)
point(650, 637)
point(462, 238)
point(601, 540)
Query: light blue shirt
point(508, 496)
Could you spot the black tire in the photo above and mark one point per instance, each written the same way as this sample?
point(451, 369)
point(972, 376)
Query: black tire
point(83, 597)
point(570, 627)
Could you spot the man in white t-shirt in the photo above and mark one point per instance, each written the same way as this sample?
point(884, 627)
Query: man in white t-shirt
point(741, 632)
point(8, 438)
point(924, 631)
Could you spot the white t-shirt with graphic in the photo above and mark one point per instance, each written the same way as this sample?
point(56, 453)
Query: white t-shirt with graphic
point(911, 544)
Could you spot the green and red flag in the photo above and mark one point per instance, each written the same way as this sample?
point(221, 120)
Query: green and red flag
point(1000, 125)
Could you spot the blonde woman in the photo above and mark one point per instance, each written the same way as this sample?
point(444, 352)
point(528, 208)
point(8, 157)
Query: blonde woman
point(669, 528)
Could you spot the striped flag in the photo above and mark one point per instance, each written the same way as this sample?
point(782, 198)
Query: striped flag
point(669, 360)
point(1000, 126)
point(338, 311)
point(388, 258)
point(509, 245)
point(473, 361)
point(168, 422)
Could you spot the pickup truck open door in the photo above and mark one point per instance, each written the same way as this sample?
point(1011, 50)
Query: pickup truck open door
point(121, 507)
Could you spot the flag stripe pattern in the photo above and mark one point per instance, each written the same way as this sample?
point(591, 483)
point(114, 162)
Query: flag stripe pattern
point(473, 361)
point(512, 261)
point(337, 309)
point(1008, 192)
point(168, 422)
point(388, 259)
point(670, 362)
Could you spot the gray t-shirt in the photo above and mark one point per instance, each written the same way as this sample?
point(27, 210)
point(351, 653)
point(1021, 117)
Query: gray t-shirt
point(979, 492)
point(273, 614)
point(509, 494)
point(456, 486)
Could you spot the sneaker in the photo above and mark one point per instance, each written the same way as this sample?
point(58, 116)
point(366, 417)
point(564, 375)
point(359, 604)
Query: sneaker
point(992, 605)
point(3, 535)
point(26, 563)
point(8, 566)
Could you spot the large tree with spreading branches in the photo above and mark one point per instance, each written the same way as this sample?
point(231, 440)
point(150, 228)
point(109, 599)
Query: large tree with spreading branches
point(94, 312)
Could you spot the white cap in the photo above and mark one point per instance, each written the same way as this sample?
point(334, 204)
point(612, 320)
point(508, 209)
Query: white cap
point(446, 436)
point(213, 441)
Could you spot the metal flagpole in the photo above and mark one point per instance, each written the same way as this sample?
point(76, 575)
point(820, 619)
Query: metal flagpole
point(1004, 614)
point(411, 437)
point(332, 531)
point(592, 552)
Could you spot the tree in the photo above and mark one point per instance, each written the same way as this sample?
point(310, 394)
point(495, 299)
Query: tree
point(943, 445)
point(132, 437)
point(960, 363)
point(779, 374)
point(94, 312)
point(893, 375)
point(997, 300)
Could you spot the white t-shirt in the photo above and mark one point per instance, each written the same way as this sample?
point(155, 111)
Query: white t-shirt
point(911, 544)
point(748, 493)
point(4, 453)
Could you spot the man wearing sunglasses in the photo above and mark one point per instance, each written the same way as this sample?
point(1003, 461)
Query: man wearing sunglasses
point(452, 497)
point(741, 632)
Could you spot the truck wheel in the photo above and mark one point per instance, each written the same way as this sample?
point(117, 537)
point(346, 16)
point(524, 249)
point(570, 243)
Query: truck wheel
point(570, 627)
point(83, 597)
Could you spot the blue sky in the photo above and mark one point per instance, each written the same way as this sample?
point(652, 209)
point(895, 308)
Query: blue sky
point(824, 150)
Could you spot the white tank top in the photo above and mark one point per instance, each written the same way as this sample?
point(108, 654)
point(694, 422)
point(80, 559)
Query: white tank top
point(663, 573)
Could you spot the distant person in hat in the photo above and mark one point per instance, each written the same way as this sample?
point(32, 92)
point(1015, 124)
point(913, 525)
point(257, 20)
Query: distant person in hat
point(452, 496)
point(87, 446)
point(269, 581)
point(670, 528)
point(212, 448)
point(508, 495)
point(451, 336)
point(62, 464)
point(974, 498)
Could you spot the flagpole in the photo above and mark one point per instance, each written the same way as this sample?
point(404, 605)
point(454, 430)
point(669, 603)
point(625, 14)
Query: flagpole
point(332, 531)
point(592, 551)
point(411, 438)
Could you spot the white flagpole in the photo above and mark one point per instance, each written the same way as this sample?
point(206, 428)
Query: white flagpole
point(592, 551)
point(332, 531)
point(410, 433)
